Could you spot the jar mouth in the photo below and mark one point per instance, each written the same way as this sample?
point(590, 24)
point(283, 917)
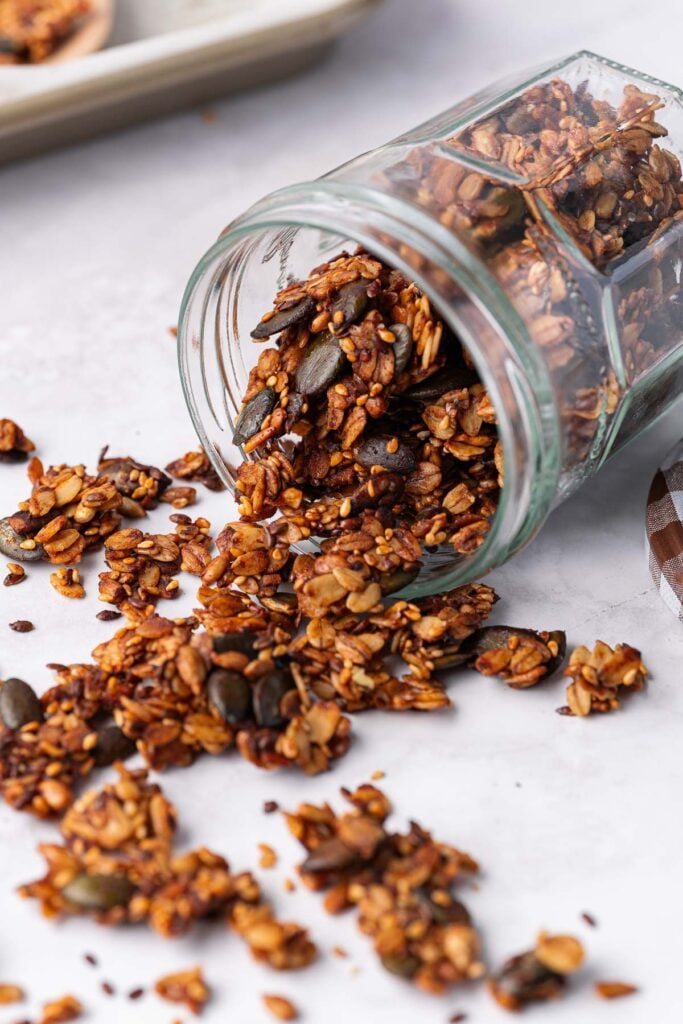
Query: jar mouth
point(287, 234)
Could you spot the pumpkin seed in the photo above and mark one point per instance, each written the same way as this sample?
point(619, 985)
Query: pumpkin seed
point(524, 979)
point(284, 318)
point(253, 414)
point(374, 452)
point(10, 542)
point(449, 379)
point(322, 363)
point(383, 489)
point(352, 301)
point(230, 694)
point(268, 694)
point(404, 965)
point(112, 745)
point(331, 855)
point(402, 347)
point(19, 704)
point(490, 638)
point(99, 892)
point(241, 642)
point(390, 582)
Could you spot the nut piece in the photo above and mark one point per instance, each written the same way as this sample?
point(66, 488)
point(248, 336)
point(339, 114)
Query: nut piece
point(560, 953)
point(186, 987)
point(280, 1007)
point(61, 1010)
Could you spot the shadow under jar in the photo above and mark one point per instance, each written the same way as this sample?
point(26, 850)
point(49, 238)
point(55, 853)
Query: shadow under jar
point(543, 221)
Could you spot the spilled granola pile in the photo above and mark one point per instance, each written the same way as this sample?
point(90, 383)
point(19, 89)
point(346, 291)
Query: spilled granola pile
point(31, 30)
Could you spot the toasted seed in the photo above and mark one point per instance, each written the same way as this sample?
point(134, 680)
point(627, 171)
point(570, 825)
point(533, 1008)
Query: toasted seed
point(402, 347)
point(330, 855)
point(19, 704)
point(268, 694)
point(490, 638)
point(10, 545)
point(241, 642)
point(614, 989)
point(108, 615)
point(449, 379)
point(230, 694)
point(374, 452)
point(383, 489)
point(320, 366)
point(281, 1008)
point(99, 892)
point(112, 745)
point(352, 301)
point(284, 318)
point(404, 965)
point(253, 414)
point(524, 979)
point(390, 582)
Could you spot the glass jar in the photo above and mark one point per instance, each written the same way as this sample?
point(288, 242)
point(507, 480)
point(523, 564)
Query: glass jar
point(543, 218)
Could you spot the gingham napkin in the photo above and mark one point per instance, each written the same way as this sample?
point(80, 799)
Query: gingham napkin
point(665, 530)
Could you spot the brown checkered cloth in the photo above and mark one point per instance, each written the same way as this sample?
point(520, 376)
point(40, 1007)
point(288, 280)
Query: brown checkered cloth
point(665, 530)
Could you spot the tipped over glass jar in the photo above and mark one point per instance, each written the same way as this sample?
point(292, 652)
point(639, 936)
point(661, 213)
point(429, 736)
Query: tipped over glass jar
point(412, 359)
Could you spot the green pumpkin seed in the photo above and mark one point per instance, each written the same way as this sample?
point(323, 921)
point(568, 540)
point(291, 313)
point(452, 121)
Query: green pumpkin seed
point(404, 965)
point(390, 582)
point(112, 745)
point(10, 545)
point(99, 892)
point(230, 694)
point(284, 318)
point(268, 694)
point(19, 704)
point(253, 414)
point(450, 379)
point(320, 366)
point(352, 301)
point(402, 347)
point(373, 452)
point(331, 855)
point(241, 642)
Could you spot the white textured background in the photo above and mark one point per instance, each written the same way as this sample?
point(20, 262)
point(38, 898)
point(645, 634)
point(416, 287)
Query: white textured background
point(96, 244)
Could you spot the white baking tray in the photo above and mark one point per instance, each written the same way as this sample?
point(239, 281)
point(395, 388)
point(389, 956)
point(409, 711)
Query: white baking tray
point(164, 55)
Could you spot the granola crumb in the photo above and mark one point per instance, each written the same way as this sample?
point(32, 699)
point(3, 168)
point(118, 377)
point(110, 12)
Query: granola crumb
point(537, 975)
point(268, 858)
point(11, 994)
point(280, 1007)
point(288, 885)
point(614, 989)
point(340, 952)
point(377, 775)
point(109, 615)
point(15, 446)
point(188, 987)
point(16, 574)
point(91, 959)
point(589, 919)
point(270, 806)
point(136, 993)
point(67, 582)
point(22, 626)
point(457, 1018)
point(108, 988)
point(59, 1011)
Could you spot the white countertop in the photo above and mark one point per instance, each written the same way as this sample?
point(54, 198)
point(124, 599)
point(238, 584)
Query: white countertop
point(566, 816)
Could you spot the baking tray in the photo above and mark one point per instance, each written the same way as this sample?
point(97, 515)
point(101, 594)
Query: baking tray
point(164, 55)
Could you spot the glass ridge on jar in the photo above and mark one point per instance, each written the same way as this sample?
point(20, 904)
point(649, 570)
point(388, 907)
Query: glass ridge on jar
point(543, 218)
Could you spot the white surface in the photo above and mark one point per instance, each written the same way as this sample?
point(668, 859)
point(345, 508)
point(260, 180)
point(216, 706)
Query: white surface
point(565, 815)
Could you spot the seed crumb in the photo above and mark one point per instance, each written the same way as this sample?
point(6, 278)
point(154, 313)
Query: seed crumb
point(136, 993)
point(108, 988)
point(377, 775)
point(91, 959)
point(186, 987)
point(340, 952)
point(21, 626)
point(280, 1007)
point(108, 615)
point(288, 885)
point(270, 806)
point(614, 989)
point(457, 1018)
point(589, 919)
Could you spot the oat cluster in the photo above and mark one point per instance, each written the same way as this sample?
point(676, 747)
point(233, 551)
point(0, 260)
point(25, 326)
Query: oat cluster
point(15, 446)
point(402, 885)
point(538, 975)
point(31, 30)
point(601, 676)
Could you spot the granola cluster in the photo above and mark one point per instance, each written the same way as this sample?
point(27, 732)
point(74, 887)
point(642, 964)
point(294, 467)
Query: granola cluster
point(31, 30)
point(601, 676)
point(538, 975)
point(70, 511)
point(15, 446)
point(195, 466)
point(117, 863)
point(401, 884)
point(186, 987)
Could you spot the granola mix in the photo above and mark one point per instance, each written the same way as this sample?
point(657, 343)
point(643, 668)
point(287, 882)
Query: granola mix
point(601, 676)
point(117, 863)
point(403, 886)
point(31, 30)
